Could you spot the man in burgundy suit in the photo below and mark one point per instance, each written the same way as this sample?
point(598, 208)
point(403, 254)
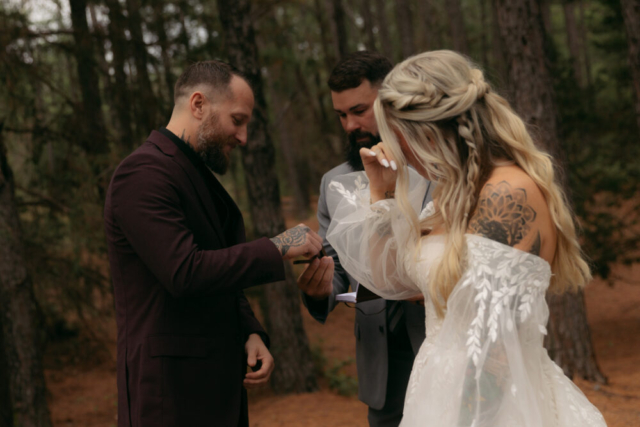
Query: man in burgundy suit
point(179, 263)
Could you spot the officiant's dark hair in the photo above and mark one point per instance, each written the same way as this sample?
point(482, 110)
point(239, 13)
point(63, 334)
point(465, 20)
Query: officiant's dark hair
point(356, 67)
point(215, 74)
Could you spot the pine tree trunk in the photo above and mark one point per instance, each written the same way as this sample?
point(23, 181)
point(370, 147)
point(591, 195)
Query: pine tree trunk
point(329, 57)
point(573, 42)
point(286, 118)
point(545, 10)
point(101, 54)
point(93, 135)
point(383, 27)
point(631, 14)
point(21, 321)
point(158, 11)
point(456, 22)
point(584, 36)
point(484, 42)
point(499, 60)
point(522, 29)
point(6, 412)
point(117, 25)
point(367, 17)
point(290, 346)
point(405, 28)
point(148, 107)
point(184, 33)
point(338, 25)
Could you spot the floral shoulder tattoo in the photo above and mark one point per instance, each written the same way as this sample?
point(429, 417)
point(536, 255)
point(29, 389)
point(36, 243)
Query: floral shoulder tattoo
point(504, 215)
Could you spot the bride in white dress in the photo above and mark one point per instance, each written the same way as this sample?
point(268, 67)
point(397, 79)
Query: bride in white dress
point(497, 237)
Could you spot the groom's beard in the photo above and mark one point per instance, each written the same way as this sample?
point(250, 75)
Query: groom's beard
point(352, 148)
point(211, 144)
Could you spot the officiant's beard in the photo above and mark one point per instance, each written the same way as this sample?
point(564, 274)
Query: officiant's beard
point(211, 143)
point(352, 148)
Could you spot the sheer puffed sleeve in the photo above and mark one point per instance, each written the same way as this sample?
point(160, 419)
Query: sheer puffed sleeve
point(373, 241)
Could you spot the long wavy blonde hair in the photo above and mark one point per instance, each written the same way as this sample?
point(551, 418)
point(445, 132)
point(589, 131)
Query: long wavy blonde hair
point(442, 97)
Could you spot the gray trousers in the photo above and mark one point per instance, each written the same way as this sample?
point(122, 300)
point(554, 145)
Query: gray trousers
point(401, 358)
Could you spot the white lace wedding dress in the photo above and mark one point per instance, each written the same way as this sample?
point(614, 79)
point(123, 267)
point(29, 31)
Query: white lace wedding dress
point(484, 364)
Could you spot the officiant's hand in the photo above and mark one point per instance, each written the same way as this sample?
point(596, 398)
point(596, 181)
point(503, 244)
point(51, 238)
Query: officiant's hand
point(317, 278)
point(298, 241)
point(257, 351)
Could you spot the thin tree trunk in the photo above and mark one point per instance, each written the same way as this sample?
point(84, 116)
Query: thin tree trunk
point(184, 33)
point(584, 35)
point(290, 346)
point(148, 108)
point(405, 28)
point(297, 169)
point(631, 14)
point(93, 136)
point(545, 10)
point(158, 11)
point(99, 34)
point(522, 29)
point(456, 24)
point(383, 30)
point(484, 42)
point(367, 17)
point(430, 37)
point(339, 28)
point(6, 412)
point(573, 41)
point(21, 321)
point(117, 25)
point(498, 48)
point(286, 120)
point(329, 57)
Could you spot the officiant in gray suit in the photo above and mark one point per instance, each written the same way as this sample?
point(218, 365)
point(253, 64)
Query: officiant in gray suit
point(388, 333)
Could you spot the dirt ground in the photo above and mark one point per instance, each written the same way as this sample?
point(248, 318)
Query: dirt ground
point(83, 394)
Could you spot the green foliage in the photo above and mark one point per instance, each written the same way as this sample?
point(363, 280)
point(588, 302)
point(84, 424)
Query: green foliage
point(600, 138)
point(343, 384)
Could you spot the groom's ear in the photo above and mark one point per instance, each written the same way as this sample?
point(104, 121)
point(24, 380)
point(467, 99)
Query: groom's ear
point(196, 104)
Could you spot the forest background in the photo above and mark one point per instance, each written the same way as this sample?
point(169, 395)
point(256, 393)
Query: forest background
point(85, 81)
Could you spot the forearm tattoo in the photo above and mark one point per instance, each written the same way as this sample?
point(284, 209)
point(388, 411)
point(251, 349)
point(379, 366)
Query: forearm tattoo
point(504, 215)
point(292, 238)
point(387, 195)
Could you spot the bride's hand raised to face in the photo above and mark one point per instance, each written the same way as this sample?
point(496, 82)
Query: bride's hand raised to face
point(381, 170)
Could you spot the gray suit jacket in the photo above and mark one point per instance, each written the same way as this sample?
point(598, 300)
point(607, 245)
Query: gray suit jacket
point(371, 319)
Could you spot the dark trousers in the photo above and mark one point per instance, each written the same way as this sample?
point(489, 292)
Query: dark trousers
point(400, 364)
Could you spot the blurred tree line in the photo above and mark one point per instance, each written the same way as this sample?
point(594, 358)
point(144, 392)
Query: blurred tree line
point(85, 81)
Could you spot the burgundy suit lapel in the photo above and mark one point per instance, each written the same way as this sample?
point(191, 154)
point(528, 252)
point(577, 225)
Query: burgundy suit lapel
point(196, 179)
point(203, 193)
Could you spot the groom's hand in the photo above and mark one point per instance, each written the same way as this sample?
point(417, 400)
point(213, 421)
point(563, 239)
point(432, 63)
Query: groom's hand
point(257, 351)
point(298, 241)
point(317, 278)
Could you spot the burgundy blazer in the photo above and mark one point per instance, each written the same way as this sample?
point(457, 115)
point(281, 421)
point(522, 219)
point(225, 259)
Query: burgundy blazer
point(178, 279)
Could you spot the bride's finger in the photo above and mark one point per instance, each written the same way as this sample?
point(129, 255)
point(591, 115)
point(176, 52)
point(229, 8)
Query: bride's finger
point(385, 158)
point(388, 156)
point(366, 154)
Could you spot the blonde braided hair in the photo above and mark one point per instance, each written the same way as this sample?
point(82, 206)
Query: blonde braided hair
point(457, 127)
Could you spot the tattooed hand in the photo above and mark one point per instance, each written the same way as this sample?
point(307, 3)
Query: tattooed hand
point(298, 241)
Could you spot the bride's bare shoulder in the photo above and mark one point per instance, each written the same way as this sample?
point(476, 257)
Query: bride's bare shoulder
point(512, 210)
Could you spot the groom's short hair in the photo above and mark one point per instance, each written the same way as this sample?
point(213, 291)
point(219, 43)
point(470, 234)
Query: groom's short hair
point(214, 74)
point(356, 67)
